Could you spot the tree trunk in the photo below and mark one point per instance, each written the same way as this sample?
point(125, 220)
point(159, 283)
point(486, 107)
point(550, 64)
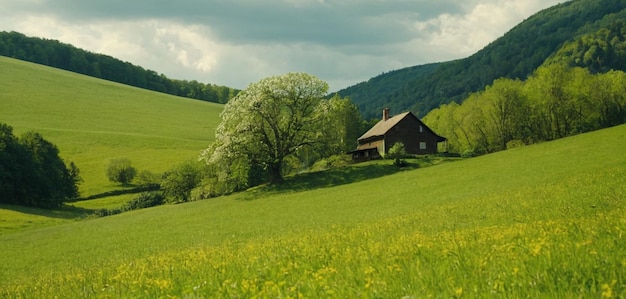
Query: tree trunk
point(274, 172)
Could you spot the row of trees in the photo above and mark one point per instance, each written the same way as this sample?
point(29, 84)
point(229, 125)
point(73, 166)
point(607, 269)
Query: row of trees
point(32, 173)
point(56, 54)
point(556, 101)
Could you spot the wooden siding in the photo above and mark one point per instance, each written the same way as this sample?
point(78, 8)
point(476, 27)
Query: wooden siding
point(409, 133)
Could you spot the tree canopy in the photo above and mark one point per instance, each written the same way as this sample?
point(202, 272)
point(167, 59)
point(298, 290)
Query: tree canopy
point(32, 173)
point(554, 102)
point(272, 120)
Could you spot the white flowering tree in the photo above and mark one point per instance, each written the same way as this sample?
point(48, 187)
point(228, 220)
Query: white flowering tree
point(270, 121)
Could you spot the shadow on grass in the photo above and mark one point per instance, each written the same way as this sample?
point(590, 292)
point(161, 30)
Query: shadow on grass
point(63, 212)
point(330, 178)
point(127, 189)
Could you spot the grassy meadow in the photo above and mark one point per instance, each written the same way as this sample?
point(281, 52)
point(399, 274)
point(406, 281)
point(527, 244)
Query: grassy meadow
point(541, 221)
point(92, 121)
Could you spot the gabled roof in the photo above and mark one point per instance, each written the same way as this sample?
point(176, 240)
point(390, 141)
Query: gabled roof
point(383, 126)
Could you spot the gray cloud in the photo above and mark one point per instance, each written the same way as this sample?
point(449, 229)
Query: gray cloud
point(238, 42)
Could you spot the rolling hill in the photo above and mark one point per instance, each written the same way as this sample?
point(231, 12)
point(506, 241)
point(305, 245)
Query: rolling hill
point(520, 223)
point(515, 55)
point(92, 120)
point(67, 57)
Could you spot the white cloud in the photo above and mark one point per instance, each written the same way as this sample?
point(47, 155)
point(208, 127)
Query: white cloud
point(235, 43)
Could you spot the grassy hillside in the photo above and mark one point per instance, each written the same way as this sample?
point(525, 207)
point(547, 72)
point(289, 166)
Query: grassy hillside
point(515, 55)
point(539, 221)
point(67, 57)
point(92, 120)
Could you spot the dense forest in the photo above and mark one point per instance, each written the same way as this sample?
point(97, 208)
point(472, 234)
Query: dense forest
point(56, 54)
point(515, 56)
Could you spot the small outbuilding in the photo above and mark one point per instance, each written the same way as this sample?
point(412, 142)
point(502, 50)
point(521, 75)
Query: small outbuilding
point(418, 139)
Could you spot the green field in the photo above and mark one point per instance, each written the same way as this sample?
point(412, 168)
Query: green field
point(541, 221)
point(92, 121)
point(546, 220)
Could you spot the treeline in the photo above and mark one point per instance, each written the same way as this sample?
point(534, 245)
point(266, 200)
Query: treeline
point(32, 173)
point(515, 55)
point(554, 102)
point(56, 54)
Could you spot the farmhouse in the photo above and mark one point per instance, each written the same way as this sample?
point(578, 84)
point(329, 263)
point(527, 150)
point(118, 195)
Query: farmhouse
point(418, 139)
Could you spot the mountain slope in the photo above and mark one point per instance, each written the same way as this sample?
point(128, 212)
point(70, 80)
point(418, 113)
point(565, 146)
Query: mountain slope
point(514, 55)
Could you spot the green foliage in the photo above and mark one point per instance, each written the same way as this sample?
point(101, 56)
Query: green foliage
point(334, 161)
point(146, 178)
point(269, 122)
point(515, 143)
point(56, 54)
point(397, 152)
point(599, 51)
point(515, 55)
point(555, 102)
point(32, 173)
point(179, 182)
point(524, 223)
point(145, 200)
point(120, 170)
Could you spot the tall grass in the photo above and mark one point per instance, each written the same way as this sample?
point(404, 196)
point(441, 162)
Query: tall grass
point(540, 221)
point(92, 120)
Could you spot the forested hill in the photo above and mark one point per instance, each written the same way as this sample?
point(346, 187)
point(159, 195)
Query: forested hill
point(515, 55)
point(64, 56)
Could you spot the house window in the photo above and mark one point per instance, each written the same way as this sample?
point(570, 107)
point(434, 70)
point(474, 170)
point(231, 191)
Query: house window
point(422, 145)
point(421, 129)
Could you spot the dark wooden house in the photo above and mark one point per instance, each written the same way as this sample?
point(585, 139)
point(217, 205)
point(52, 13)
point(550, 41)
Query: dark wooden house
point(418, 139)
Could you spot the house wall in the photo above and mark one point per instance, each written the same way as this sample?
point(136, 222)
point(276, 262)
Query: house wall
point(408, 132)
point(373, 143)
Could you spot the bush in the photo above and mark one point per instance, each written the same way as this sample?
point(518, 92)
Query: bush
point(121, 171)
point(468, 154)
point(146, 178)
point(515, 143)
point(397, 152)
point(332, 162)
point(179, 182)
point(145, 200)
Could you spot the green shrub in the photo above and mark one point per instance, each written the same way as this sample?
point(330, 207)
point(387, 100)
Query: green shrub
point(332, 162)
point(179, 182)
point(145, 200)
point(145, 177)
point(468, 153)
point(397, 153)
point(515, 143)
point(121, 171)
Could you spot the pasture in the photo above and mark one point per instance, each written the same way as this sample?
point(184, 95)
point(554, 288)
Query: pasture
point(546, 220)
point(92, 121)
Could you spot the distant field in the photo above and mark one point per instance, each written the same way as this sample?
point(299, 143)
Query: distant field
point(542, 221)
point(92, 120)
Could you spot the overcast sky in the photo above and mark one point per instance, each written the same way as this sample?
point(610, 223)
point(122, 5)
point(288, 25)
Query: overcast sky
point(238, 42)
